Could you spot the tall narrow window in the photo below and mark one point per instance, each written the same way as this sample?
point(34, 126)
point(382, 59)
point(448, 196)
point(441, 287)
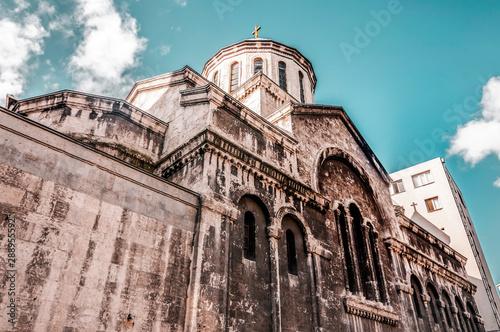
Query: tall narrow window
point(257, 66)
point(249, 235)
point(359, 241)
point(431, 291)
point(235, 76)
point(301, 87)
point(416, 296)
point(215, 80)
point(292, 254)
point(375, 263)
point(282, 74)
point(344, 232)
point(447, 309)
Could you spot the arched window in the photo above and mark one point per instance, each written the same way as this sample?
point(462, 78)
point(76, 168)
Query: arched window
point(257, 66)
point(301, 87)
point(447, 309)
point(235, 76)
point(344, 233)
point(291, 253)
point(416, 296)
point(215, 79)
point(431, 291)
point(249, 235)
point(361, 253)
point(373, 236)
point(473, 321)
point(282, 74)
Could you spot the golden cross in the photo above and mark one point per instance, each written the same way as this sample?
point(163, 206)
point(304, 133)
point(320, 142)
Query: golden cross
point(256, 31)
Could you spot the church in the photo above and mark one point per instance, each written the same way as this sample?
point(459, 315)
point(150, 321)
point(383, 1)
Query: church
point(220, 201)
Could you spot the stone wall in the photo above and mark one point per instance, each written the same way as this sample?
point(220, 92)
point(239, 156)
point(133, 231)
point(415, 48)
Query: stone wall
point(100, 245)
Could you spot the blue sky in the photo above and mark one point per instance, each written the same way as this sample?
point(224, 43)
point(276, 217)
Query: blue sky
point(410, 74)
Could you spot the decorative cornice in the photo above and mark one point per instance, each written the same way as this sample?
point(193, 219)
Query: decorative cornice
point(420, 231)
point(366, 310)
point(210, 142)
point(429, 264)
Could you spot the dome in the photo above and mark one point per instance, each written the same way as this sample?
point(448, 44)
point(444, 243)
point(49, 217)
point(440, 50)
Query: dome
point(234, 65)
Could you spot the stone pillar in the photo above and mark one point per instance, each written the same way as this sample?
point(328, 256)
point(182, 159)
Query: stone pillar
point(384, 294)
point(274, 234)
point(454, 312)
point(315, 280)
point(354, 257)
point(428, 315)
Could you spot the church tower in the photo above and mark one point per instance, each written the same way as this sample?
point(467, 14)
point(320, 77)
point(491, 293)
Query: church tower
point(262, 74)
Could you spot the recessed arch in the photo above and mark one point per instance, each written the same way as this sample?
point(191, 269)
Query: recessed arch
point(299, 220)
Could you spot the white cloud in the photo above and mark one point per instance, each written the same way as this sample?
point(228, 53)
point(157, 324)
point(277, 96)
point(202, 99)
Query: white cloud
point(480, 137)
point(164, 49)
point(181, 3)
point(64, 24)
point(45, 8)
point(109, 48)
point(497, 183)
point(22, 39)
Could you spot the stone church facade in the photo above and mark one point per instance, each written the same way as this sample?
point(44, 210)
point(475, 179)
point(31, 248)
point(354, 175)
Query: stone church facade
point(226, 201)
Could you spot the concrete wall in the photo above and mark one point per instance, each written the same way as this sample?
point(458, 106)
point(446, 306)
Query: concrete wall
point(101, 245)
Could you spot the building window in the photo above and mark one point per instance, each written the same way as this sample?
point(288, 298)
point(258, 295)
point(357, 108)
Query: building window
point(397, 187)
point(361, 251)
point(416, 296)
point(235, 76)
point(257, 66)
point(431, 291)
point(373, 237)
point(433, 204)
point(249, 236)
point(301, 86)
point(473, 321)
point(282, 74)
point(291, 253)
point(215, 80)
point(344, 233)
point(422, 179)
point(447, 309)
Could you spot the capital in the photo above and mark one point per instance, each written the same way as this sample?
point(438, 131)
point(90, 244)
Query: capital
point(274, 232)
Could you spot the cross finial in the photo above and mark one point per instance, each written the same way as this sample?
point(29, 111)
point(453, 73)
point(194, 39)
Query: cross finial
point(256, 31)
point(414, 206)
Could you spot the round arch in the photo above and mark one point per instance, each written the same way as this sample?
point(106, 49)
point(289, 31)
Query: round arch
point(299, 219)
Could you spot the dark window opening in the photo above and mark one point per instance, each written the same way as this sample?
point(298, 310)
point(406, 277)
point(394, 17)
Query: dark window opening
point(360, 248)
point(282, 74)
point(291, 253)
point(301, 86)
point(375, 257)
point(249, 236)
point(447, 310)
point(416, 297)
point(433, 303)
point(344, 231)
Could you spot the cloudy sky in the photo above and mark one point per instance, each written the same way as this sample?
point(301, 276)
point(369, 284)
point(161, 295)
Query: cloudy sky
point(420, 79)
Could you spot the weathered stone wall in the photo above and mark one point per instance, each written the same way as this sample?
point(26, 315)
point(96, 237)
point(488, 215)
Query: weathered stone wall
point(100, 245)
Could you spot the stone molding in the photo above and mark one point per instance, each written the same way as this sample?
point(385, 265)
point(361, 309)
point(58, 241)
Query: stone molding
point(210, 142)
point(364, 309)
point(429, 264)
point(404, 288)
point(413, 227)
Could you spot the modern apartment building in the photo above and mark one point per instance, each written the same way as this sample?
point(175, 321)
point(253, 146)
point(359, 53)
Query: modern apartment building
point(428, 193)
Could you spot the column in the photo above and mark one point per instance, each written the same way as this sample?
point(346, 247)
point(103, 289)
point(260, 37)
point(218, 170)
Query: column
point(274, 234)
